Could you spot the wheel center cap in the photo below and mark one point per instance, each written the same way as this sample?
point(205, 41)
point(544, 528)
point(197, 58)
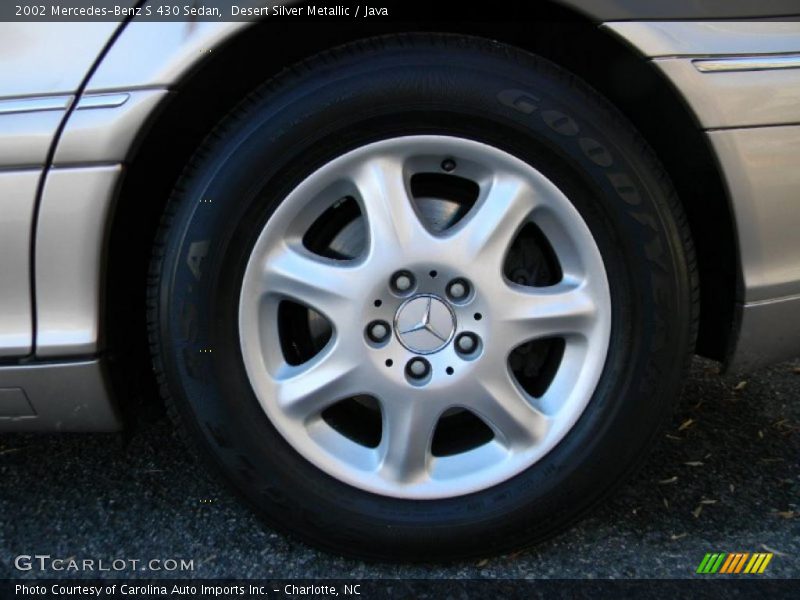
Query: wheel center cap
point(425, 324)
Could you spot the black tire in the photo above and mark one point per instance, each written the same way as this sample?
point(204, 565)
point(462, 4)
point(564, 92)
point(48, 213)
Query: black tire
point(383, 88)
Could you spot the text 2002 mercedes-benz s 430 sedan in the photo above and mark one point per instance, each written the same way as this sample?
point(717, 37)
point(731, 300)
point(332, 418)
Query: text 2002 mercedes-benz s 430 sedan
point(415, 290)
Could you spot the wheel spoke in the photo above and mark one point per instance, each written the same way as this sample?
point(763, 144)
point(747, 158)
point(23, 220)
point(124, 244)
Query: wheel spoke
point(499, 401)
point(560, 310)
point(560, 389)
point(392, 221)
point(405, 447)
point(487, 231)
point(304, 391)
point(322, 284)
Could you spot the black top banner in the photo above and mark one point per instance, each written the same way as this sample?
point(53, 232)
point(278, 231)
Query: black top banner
point(27, 11)
point(32, 11)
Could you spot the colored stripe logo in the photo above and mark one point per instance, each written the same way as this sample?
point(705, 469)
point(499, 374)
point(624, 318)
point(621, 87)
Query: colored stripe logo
point(734, 563)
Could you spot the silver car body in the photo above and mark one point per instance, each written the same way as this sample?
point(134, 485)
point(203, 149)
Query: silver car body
point(73, 98)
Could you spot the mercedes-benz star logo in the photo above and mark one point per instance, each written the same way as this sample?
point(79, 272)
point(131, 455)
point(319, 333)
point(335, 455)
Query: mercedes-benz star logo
point(425, 324)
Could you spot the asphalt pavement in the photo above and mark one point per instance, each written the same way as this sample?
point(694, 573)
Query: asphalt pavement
point(725, 477)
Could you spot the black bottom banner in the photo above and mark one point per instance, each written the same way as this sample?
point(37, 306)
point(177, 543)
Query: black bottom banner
point(368, 589)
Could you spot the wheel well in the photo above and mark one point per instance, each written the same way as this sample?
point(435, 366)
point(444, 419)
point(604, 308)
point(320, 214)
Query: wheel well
point(214, 88)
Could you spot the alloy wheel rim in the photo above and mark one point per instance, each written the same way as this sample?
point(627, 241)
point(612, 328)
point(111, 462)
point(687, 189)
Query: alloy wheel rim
point(405, 266)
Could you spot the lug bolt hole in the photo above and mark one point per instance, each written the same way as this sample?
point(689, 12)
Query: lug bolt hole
point(478, 316)
point(449, 370)
point(403, 282)
point(467, 345)
point(389, 362)
point(418, 370)
point(378, 303)
point(378, 332)
point(433, 274)
point(448, 165)
point(458, 290)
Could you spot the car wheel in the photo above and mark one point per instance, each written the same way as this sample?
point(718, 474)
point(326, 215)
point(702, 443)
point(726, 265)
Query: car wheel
point(423, 297)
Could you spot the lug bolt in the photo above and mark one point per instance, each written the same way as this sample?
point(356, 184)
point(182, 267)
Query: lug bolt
point(378, 331)
point(402, 281)
point(466, 343)
point(418, 368)
point(458, 289)
point(448, 165)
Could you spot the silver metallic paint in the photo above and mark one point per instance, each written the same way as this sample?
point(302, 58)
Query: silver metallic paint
point(736, 98)
point(752, 118)
point(70, 239)
point(28, 127)
point(25, 138)
point(42, 65)
point(103, 134)
point(762, 170)
point(68, 291)
point(38, 58)
point(709, 38)
point(17, 193)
